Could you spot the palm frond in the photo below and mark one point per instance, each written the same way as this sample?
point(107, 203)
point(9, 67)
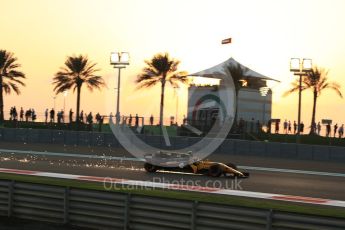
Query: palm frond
point(334, 86)
point(295, 88)
point(178, 77)
point(94, 82)
point(147, 76)
point(77, 71)
point(147, 84)
point(9, 86)
point(9, 72)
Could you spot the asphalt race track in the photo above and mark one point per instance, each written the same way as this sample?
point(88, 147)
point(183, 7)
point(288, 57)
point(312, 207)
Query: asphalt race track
point(289, 183)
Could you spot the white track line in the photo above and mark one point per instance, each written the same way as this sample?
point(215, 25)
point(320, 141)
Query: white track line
point(103, 157)
point(91, 156)
point(293, 171)
point(111, 182)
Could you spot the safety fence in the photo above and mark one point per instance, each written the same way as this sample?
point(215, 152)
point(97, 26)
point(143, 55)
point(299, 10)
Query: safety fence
point(228, 146)
point(115, 210)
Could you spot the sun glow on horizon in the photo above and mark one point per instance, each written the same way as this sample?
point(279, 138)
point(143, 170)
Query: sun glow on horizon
point(43, 33)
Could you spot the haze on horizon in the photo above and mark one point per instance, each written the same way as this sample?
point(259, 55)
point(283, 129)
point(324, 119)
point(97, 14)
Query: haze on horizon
point(266, 34)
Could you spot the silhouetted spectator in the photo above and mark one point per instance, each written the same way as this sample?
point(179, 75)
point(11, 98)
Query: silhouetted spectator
point(62, 116)
point(302, 127)
point(172, 118)
point(81, 117)
point(98, 117)
point(184, 120)
point(11, 114)
point(151, 120)
point(52, 115)
point(70, 115)
point(46, 115)
point(27, 115)
point(59, 117)
point(294, 127)
point(89, 120)
point(341, 131)
point(285, 125)
point(328, 130)
point(100, 124)
point(136, 120)
point(33, 115)
point(269, 126)
point(277, 127)
point(318, 128)
point(21, 114)
point(130, 120)
point(289, 127)
point(15, 114)
point(335, 129)
point(111, 117)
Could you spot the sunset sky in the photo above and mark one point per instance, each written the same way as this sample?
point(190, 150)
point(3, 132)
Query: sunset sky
point(265, 33)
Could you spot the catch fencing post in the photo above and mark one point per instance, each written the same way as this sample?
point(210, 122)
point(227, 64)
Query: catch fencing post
point(66, 205)
point(126, 212)
point(269, 219)
point(10, 198)
point(193, 216)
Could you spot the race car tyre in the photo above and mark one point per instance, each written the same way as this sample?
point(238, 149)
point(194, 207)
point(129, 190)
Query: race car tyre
point(150, 168)
point(231, 165)
point(215, 171)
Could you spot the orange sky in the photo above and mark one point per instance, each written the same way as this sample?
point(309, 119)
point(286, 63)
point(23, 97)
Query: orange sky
point(266, 34)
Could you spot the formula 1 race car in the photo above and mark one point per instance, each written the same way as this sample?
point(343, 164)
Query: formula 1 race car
point(168, 158)
point(206, 167)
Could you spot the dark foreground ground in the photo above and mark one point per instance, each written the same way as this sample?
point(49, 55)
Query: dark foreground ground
point(20, 224)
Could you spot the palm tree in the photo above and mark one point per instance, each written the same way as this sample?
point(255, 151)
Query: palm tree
point(78, 70)
point(317, 81)
point(238, 74)
point(161, 69)
point(10, 77)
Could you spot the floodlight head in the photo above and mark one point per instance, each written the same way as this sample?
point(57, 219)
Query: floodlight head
point(119, 58)
point(295, 65)
point(307, 65)
point(114, 58)
point(124, 58)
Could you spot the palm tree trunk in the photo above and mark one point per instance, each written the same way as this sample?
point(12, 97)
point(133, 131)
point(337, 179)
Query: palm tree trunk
point(1, 102)
point(78, 106)
point(312, 131)
point(162, 104)
point(236, 108)
point(234, 127)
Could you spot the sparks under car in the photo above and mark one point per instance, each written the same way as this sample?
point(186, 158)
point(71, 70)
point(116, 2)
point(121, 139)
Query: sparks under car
point(206, 167)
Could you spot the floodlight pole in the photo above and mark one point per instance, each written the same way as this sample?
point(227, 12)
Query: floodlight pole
point(300, 69)
point(118, 93)
point(298, 135)
point(299, 108)
point(118, 63)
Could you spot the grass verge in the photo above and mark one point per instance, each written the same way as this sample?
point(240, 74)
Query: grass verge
point(187, 195)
